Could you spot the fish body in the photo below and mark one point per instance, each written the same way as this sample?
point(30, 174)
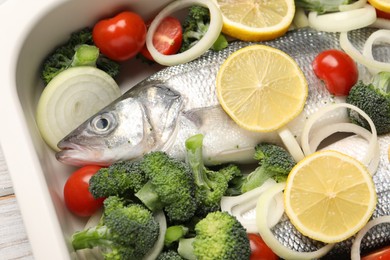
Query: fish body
point(162, 111)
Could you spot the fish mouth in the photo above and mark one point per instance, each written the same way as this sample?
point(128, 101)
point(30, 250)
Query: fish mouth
point(74, 154)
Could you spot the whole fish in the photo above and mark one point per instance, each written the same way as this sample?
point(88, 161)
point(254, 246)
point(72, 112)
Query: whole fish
point(162, 111)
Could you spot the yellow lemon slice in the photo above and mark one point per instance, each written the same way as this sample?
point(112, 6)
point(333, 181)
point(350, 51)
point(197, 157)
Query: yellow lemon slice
point(329, 196)
point(383, 5)
point(261, 88)
point(256, 20)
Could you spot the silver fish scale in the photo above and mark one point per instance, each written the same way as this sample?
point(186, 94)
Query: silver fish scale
point(302, 45)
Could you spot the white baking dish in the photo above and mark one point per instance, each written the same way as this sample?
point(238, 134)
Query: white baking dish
point(30, 30)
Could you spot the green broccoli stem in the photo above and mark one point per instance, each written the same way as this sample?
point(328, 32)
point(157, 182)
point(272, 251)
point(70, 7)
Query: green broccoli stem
point(186, 248)
point(174, 234)
point(193, 35)
point(195, 159)
point(255, 179)
point(149, 197)
point(92, 237)
point(85, 55)
point(381, 81)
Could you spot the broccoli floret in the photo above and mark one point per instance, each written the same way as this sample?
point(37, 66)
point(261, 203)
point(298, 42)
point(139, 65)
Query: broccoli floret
point(322, 6)
point(274, 162)
point(211, 184)
point(169, 255)
point(374, 99)
point(121, 179)
point(195, 26)
point(218, 236)
point(124, 232)
point(170, 187)
point(79, 50)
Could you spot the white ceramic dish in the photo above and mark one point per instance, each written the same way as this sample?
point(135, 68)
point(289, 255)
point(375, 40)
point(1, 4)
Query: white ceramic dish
point(31, 29)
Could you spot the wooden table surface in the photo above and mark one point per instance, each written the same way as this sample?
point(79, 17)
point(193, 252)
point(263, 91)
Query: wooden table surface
point(14, 243)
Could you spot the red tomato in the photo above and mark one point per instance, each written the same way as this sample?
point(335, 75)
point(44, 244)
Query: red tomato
point(77, 197)
point(259, 250)
point(167, 39)
point(382, 14)
point(337, 70)
point(381, 254)
point(120, 37)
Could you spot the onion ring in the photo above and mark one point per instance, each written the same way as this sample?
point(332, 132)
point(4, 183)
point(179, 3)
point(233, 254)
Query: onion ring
point(355, 250)
point(328, 130)
point(343, 21)
point(373, 142)
point(378, 36)
point(201, 47)
point(370, 64)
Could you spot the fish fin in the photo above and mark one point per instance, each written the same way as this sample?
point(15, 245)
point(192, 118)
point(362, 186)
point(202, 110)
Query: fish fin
point(207, 116)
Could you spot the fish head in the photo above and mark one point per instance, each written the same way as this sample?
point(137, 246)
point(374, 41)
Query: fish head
point(118, 131)
point(140, 121)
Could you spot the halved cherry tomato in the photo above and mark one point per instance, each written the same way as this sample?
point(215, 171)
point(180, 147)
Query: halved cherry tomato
point(259, 249)
point(120, 37)
point(380, 254)
point(77, 197)
point(337, 69)
point(167, 38)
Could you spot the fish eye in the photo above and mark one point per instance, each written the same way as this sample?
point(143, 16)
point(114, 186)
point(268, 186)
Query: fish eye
point(103, 123)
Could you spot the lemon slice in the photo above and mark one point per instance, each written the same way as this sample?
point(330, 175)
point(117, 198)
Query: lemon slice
point(261, 88)
point(382, 5)
point(256, 20)
point(329, 196)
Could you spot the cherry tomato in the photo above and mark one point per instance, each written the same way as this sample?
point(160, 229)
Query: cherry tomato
point(77, 197)
point(382, 14)
point(259, 249)
point(337, 69)
point(120, 37)
point(380, 254)
point(167, 39)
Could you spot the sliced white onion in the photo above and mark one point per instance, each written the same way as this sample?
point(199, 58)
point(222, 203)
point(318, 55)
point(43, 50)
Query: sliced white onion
point(201, 47)
point(266, 234)
point(355, 5)
point(300, 18)
point(70, 98)
point(291, 144)
point(159, 245)
point(239, 205)
point(381, 23)
point(373, 141)
point(370, 64)
point(328, 130)
point(343, 21)
point(355, 250)
point(378, 36)
point(275, 213)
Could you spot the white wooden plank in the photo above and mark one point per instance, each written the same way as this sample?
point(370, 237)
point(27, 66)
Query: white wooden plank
point(14, 243)
point(5, 180)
